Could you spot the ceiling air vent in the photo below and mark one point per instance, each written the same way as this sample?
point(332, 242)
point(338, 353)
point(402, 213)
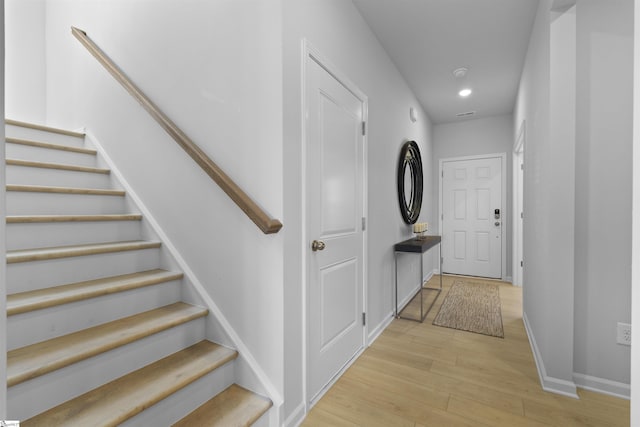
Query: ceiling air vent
point(467, 114)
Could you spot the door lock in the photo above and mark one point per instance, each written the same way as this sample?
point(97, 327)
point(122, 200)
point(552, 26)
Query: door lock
point(317, 245)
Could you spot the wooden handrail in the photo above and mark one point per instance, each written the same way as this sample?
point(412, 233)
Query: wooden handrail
point(267, 224)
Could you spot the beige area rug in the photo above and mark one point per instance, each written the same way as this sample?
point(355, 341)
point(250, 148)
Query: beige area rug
point(473, 307)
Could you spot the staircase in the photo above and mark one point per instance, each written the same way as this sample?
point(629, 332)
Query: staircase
point(97, 332)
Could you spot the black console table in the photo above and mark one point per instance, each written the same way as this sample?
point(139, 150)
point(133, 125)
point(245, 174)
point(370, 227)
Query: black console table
point(418, 246)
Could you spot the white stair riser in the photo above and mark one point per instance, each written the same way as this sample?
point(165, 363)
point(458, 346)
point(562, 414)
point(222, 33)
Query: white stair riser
point(39, 394)
point(38, 135)
point(184, 401)
point(40, 325)
point(32, 203)
point(41, 154)
point(23, 175)
point(51, 234)
point(28, 276)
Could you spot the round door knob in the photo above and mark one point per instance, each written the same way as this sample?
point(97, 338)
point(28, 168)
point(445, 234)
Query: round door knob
point(317, 245)
point(497, 224)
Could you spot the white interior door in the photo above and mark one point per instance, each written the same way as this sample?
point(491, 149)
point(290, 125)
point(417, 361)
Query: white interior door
point(472, 217)
point(334, 221)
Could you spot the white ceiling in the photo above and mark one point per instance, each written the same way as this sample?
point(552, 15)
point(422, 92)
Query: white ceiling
point(428, 39)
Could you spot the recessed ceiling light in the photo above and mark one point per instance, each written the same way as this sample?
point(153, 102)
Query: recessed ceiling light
point(465, 92)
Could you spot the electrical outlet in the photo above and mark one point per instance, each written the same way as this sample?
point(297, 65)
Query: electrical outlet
point(624, 334)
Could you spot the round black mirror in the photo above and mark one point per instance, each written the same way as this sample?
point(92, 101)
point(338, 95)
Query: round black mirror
point(410, 182)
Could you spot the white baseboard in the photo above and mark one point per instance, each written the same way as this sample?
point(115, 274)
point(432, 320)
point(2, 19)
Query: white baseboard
point(413, 292)
point(404, 301)
point(428, 277)
point(297, 416)
point(550, 384)
point(335, 378)
point(378, 330)
point(604, 386)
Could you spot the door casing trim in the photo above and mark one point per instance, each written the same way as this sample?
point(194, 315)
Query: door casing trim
point(518, 192)
point(310, 53)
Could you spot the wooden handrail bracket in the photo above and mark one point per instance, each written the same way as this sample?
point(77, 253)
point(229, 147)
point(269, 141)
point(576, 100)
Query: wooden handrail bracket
point(267, 224)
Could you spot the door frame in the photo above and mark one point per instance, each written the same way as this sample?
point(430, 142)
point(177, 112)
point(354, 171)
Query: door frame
point(503, 208)
point(310, 53)
point(517, 249)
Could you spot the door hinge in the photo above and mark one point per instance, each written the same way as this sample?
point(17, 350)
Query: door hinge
point(521, 263)
point(521, 214)
point(364, 223)
point(441, 260)
point(364, 128)
point(442, 174)
point(364, 319)
point(441, 216)
point(521, 166)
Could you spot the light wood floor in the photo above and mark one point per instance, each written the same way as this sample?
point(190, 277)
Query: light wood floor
point(423, 375)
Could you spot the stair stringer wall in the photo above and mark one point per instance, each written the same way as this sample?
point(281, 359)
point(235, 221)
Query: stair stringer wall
point(248, 372)
point(3, 249)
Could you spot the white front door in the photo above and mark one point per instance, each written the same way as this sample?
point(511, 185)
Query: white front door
point(334, 221)
point(472, 217)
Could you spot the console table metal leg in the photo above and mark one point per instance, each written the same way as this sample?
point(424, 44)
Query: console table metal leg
point(421, 287)
point(395, 255)
point(440, 261)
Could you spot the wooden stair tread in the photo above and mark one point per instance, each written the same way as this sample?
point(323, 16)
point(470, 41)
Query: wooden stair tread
point(39, 254)
point(64, 190)
point(48, 145)
point(235, 406)
point(43, 298)
point(121, 399)
point(40, 358)
point(15, 219)
point(59, 166)
point(44, 128)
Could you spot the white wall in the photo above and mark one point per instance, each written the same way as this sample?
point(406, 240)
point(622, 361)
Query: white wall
point(603, 187)
point(215, 68)
point(25, 58)
point(476, 137)
point(3, 284)
point(635, 252)
point(562, 139)
point(337, 30)
point(548, 227)
point(577, 193)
